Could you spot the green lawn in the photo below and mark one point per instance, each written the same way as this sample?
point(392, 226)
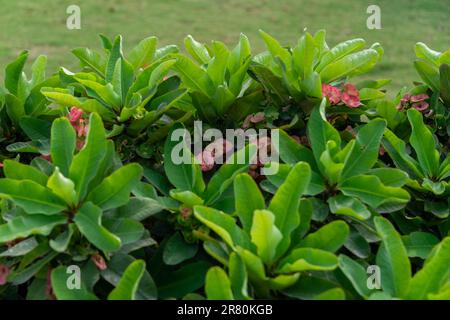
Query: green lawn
point(40, 26)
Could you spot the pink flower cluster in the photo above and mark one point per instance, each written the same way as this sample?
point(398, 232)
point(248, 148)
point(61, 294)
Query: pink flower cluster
point(99, 261)
point(417, 102)
point(79, 124)
point(253, 119)
point(215, 150)
point(349, 95)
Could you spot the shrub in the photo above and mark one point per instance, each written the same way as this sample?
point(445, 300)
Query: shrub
point(89, 183)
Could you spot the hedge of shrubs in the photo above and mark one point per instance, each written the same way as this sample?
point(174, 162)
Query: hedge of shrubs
point(93, 205)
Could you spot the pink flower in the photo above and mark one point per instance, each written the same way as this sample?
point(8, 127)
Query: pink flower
point(351, 96)
point(215, 152)
point(421, 106)
point(99, 261)
point(253, 118)
point(185, 212)
point(1, 164)
point(81, 128)
point(419, 98)
point(417, 102)
point(332, 93)
point(264, 145)
point(4, 271)
point(75, 114)
point(46, 157)
point(351, 89)
point(351, 101)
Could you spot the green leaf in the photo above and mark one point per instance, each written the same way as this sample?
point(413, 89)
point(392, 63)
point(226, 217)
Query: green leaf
point(62, 97)
point(222, 224)
point(217, 66)
point(122, 78)
point(339, 51)
point(14, 108)
point(291, 151)
point(35, 128)
point(183, 281)
point(304, 55)
point(217, 285)
point(223, 178)
point(348, 206)
point(140, 208)
point(114, 54)
point(332, 294)
point(18, 171)
point(104, 91)
point(370, 94)
point(330, 237)
point(390, 176)
point(114, 191)
point(62, 187)
point(63, 142)
point(32, 197)
point(371, 191)
point(396, 149)
point(116, 268)
point(186, 197)
point(142, 54)
point(320, 132)
point(364, 154)
point(428, 73)
point(276, 50)
point(92, 59)
point(87, 162)
point(248, 198)
point(392, 259)
point(425, 53)
point(129, 283)
point(128, 230)
point(177, 250)
point(433, 275)
point(265, 235)
point(285, 203)
point(444, 73)
point(424, 144)
point(304, 259)
point(62, 241)
point(348, 64)
point(194, 77)
point(88, 221)
point(356, 274)
point(197, 50)
point(24, 226)
point(61, 278)
point(13, 73)
point(238, 277)
point(254, 265)
point(179, 165)
point(419, 244)
point(21, 248)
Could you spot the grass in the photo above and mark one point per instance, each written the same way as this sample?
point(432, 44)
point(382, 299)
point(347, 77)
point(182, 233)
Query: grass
point(40, 26)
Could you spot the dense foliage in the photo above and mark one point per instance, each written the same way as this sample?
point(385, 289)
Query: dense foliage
point(93, 205)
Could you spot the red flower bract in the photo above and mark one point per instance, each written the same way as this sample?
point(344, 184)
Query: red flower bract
point(332, 93)
point(351, 96)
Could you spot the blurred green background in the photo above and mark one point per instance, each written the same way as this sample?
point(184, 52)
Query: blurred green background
point(40, 26)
